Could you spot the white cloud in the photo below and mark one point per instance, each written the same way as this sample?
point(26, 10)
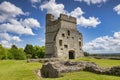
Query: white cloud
point(117, 35)
point(9, 10)
point(9, 23)
point(56, 9)
point(92, 1)
point(77, 12)
point(31, 22)
point(117, 9)
point(6, 36)
point(3, 18)
point(35, 1)
point(16, 38)
point(8, 13)
point(82, 21)
point(15, 27)
point(105, 44)
point(5, 43)
point(91, 21)
point(20, 27)
point(53, 8)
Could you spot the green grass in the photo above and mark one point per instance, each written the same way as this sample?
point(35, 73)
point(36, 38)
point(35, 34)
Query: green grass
point(21, 70)
point(101, 62)
point(82, 75)
point(18, 70)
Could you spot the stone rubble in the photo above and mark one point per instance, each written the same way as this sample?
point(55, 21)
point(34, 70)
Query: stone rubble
point(54, 69)
point(43, 60)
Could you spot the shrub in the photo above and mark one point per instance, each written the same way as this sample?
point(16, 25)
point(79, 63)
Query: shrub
point(15, 53)
point(3, 54)
point(39, 51)
point(86, 54)
point(34, 51)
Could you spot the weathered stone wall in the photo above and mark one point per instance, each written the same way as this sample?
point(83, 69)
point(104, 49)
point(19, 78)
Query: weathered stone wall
point(52, 28)
point(57, 30)
point(54, 69)
point(72, 42)
point(70, 19)
point(43, 60)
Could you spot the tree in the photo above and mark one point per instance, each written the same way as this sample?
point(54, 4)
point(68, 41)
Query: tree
point(42, 52)
point(86, 54)
point(3, 54)
point(36, 49)
point(10, 54)
point(14, 46)
point(29, 50)
point(17, 54)
point(39, 51)
point(20, 55)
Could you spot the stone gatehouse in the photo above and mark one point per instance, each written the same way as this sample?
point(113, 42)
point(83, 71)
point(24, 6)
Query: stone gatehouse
point(63, 40)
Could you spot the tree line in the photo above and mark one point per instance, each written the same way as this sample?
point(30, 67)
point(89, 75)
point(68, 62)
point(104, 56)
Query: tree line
point(15, 53)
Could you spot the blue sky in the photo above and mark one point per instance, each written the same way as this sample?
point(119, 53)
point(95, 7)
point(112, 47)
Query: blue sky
point(23, 22)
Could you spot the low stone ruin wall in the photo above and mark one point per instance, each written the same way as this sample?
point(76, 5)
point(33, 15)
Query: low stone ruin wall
point(44, 60)
point(54, 69)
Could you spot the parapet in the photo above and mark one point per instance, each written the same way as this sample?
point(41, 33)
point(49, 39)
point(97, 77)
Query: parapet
point(49, 18)
point(67, 18)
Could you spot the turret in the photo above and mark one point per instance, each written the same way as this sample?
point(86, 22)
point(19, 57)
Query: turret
point(49, 18)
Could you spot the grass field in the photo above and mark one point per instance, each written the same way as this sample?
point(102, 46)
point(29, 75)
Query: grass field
point(21, 70)
point(18, 70)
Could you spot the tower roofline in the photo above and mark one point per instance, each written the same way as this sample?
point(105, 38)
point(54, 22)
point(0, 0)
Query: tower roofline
point(63, 17)
point(67, 18)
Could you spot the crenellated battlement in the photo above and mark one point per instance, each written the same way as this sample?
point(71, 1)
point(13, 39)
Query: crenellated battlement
point(50, 18)
point(67, 18)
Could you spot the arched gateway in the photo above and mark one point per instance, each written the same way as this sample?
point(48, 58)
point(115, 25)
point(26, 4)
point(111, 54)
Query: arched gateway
point(71, 54)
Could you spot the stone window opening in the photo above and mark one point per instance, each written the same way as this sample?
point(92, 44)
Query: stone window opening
point(60, 42)
point(66, 46)
point(68, 33)
point(80, 44)
point(61, 48)
point(63, 35)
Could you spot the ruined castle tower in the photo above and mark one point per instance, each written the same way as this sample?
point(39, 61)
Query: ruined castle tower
point(63, 40)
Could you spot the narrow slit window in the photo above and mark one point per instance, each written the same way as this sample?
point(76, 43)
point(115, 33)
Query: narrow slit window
point(63, 35)
point(80, 44)
point(68, 33)
point(60, 42)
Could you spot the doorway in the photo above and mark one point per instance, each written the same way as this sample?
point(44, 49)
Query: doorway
point(71, 55)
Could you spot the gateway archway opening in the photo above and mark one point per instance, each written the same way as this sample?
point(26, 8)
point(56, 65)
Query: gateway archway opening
point(71, 55)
